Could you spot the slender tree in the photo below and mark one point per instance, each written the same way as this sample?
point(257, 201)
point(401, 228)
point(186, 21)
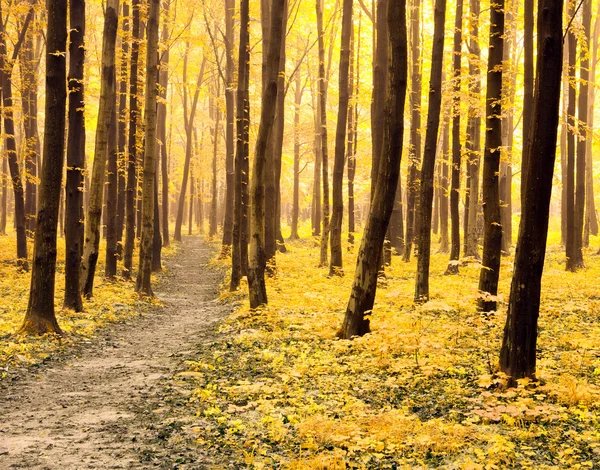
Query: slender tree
point(257, 261)
point(335, 266)
point(144, 277)
point(112, 250)
point(570, 244)
point(75, 157)
point(455, 173)
point(40, 317)
point(429, 154)
point(518, 352)
point(528, 78)
point(163, 80)
point(105, 115)
point(364, 287)
point(492, 233)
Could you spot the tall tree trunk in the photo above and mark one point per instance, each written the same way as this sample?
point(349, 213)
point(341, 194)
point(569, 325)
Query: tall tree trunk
point(528, 21)
point(472, 207)
point(122, 130)
point(316, 198)
point(192, 197)
point(518, 352)
point(564, 133)
point(157, 243)
point(298, 90)
point(105, 114)
point(75, 158)
point(492, 230)
point(322, 113)
point(444, 188)
point(239, 254)
point(335, 266)
point(40, 317)
point(110, 265)
point(213, 220)
point(369, 256)
point(427, 171)
point(257, 261)
point(570, 244)
point(414, 146)
point(455, 173)
point(4, 203)
point(11, 145)
point(143, 283)
point(130, 206)
point(583, 133)
point(163, 80)
point(229, 128)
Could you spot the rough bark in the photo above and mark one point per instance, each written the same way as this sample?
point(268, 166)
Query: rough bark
point(110, 265)
point(492, 229)
point(427, 170)
point(105, 113)
point(528, 21)
point(444, 188)
point(40, 317)
point(362, 298)
point(144, 277)
point(122, 129)
point(518, 352)
point(163, 80)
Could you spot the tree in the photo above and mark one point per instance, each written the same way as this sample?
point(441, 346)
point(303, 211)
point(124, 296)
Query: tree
point(144, 277)
point(112, 249)
point(455, 173)
point(239, 254)
point(163, 80)
point(257, 261)
point(528, 78)
point(130, 193)
point(75, 157)
point(335, 266)
point(105, 115)
point(364, 287)
point(518, 352)
point(40, 317)
point(492, 234)
point(429, 153)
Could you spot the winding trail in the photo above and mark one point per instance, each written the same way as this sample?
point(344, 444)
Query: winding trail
point(95, 411)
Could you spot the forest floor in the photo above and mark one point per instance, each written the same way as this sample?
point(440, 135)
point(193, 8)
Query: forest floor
point(100, 404)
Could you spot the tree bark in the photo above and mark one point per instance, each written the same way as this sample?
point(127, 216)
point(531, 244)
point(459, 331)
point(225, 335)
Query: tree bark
point(429, 154)
point(144, 277)
point(492, 232)
point(75, 158)
point(213, 219)
point(528, 21)
point(298, 91)
point(105, 114)
point(455, 173)
point(122, 130)
point(364, 287)
point(110, 265)
point(518, 352)
point(335, 266)
point(163, 80)
point(444, 188)
point(257, 261)
point(40, 317)
point(130, 196)
point(414, 146)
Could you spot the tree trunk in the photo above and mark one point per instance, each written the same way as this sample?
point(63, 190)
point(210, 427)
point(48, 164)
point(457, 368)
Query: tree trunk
point(335, 266)
point(322, 113)
point(570, 245)
point(110, 266)
point(427, 171)
point(316, 198)
point(298, 90)
point(192, 197)
point(239, 254)
point(157, 243)
point(122, 130)
point(352, 144)
point(143, 283)
point(229, 128)
point(257, 261)
point(163, 80)
point(444, 188)
point(455, 173)
point(518, 353)
point(130, 206)
point(213, 220)
point(528, 21)
point(365, 279)
point(4, 203)
point(75, 158)
point(105, 114)
point(492, 231)
point(472, 207)
point(40, 317)
point(414, 146)
point(583, 133)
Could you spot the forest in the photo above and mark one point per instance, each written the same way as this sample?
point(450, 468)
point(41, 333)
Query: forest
point(299, 234)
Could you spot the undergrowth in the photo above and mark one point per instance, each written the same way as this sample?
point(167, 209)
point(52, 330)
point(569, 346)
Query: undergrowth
point(277, 390)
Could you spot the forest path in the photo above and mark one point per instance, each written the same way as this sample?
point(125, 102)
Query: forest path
point(99, 410)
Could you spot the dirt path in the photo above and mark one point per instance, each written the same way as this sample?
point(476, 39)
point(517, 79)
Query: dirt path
point(97, 410)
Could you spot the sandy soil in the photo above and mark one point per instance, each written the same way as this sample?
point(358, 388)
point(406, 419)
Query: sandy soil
point(105, 406)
